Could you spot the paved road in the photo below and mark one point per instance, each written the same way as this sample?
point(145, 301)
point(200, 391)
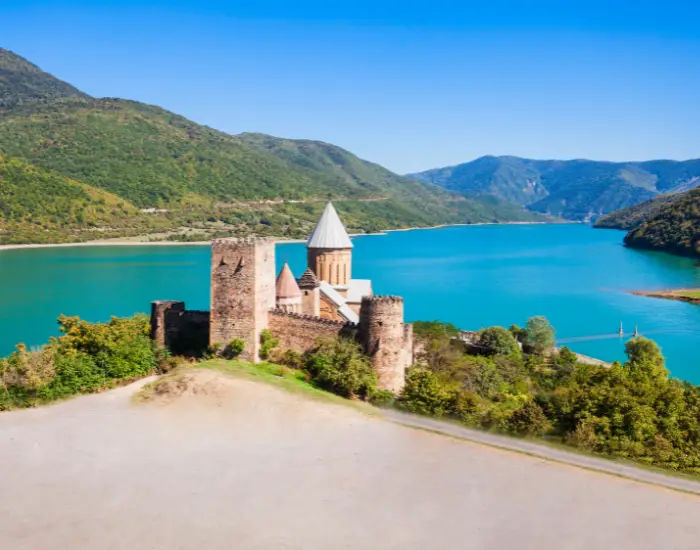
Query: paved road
point(543, 451)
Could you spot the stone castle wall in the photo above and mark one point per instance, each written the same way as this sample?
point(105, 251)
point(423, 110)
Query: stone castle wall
point(300, 333)
point(386, 339)
point(182, 331)
point(242, 291)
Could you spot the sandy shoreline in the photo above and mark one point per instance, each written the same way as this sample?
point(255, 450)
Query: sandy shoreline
point(678, 294)
point(277, 241)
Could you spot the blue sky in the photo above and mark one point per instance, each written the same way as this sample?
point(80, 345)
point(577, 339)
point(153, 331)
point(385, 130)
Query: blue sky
point(410, 85)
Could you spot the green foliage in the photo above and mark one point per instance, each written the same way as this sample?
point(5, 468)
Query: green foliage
point(498, 341)
point(674, 227)
point(538, 337)
point(427, 393)
point(340, 366)
point(434, 329)
point(267, 343)
point(631, 410)
point(85, 358)
point(234, 348)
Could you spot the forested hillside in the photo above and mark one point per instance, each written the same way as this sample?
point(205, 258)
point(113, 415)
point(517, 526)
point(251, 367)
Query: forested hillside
point(633, 216)
point(674, 228)
point(194, 177)
point(573, 189)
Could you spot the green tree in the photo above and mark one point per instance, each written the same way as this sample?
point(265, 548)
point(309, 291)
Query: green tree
point(539, 335)
point(644, 359)
point(427, 393)
point(498, 341)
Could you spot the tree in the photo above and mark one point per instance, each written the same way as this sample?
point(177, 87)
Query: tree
point(539, 335)
point(644, 359)
point(498, 341)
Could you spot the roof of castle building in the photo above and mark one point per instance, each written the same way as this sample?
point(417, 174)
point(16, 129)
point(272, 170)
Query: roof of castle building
point(308, 279)
point(286, 286)
point(329, 231)
point(343, 308)
point(357, 289)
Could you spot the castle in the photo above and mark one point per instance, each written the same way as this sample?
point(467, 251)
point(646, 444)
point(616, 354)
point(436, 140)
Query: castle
point(247, 298)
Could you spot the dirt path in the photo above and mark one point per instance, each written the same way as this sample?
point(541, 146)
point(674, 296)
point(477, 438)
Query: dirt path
point(236, 464)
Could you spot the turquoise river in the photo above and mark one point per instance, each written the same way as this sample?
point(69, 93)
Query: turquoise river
point(472, 276)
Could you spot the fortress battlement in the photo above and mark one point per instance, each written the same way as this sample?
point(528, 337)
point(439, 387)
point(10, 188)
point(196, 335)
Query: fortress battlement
point(315, 319)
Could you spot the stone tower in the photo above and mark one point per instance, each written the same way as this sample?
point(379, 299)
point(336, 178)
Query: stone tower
point(310, 294)
point(242, 292)
point(329, 250)
point(386, 339)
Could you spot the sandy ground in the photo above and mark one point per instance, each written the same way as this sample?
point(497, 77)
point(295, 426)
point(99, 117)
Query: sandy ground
point(236, 464)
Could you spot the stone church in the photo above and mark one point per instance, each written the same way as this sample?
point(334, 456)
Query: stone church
point(247, 298)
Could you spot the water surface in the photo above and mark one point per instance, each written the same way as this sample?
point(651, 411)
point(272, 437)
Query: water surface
point(472, 276)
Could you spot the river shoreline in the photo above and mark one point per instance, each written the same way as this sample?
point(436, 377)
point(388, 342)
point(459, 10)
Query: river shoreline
point(118, 242)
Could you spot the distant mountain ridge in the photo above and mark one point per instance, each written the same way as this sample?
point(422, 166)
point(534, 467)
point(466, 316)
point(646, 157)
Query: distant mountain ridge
point(574, 189)
point(194, 177)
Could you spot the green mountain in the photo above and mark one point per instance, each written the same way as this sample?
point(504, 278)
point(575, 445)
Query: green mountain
point(200, 182)
point(573, 189)
point(674, 226)
point(25, 84)
point(632, 217)
point(41, 206)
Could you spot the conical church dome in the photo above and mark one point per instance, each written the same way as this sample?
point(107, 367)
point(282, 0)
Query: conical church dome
point(329, 231)
point(286, 286)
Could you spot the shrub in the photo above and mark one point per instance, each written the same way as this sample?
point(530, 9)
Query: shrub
point(498, 341)
point(267, 343)
point(529, 419)
point(234, 348)
point(85, 358)
point(426, 393)
point(382, 398)
point(339, 366)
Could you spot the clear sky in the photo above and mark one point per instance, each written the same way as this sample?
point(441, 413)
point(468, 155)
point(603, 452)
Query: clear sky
point(410, 85)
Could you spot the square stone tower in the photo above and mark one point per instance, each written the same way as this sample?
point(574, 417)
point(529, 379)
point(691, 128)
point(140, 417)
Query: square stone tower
point(242, 292)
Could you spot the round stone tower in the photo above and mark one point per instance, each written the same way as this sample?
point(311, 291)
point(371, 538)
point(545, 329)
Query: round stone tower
point(329, 250)
point(386, 339)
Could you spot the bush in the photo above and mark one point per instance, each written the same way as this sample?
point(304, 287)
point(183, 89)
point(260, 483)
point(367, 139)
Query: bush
point(498, 341)
point(340, 366)
point(85, 358)
point(529, 419)
point(426, 393)
point(267, 343)
point(382, 398)
point(234, 348)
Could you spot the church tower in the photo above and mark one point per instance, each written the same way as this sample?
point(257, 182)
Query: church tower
point(329, 251)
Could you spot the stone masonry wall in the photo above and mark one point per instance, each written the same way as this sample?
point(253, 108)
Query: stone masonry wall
point(301, 332)
point(242, 291)
point(183, 332)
